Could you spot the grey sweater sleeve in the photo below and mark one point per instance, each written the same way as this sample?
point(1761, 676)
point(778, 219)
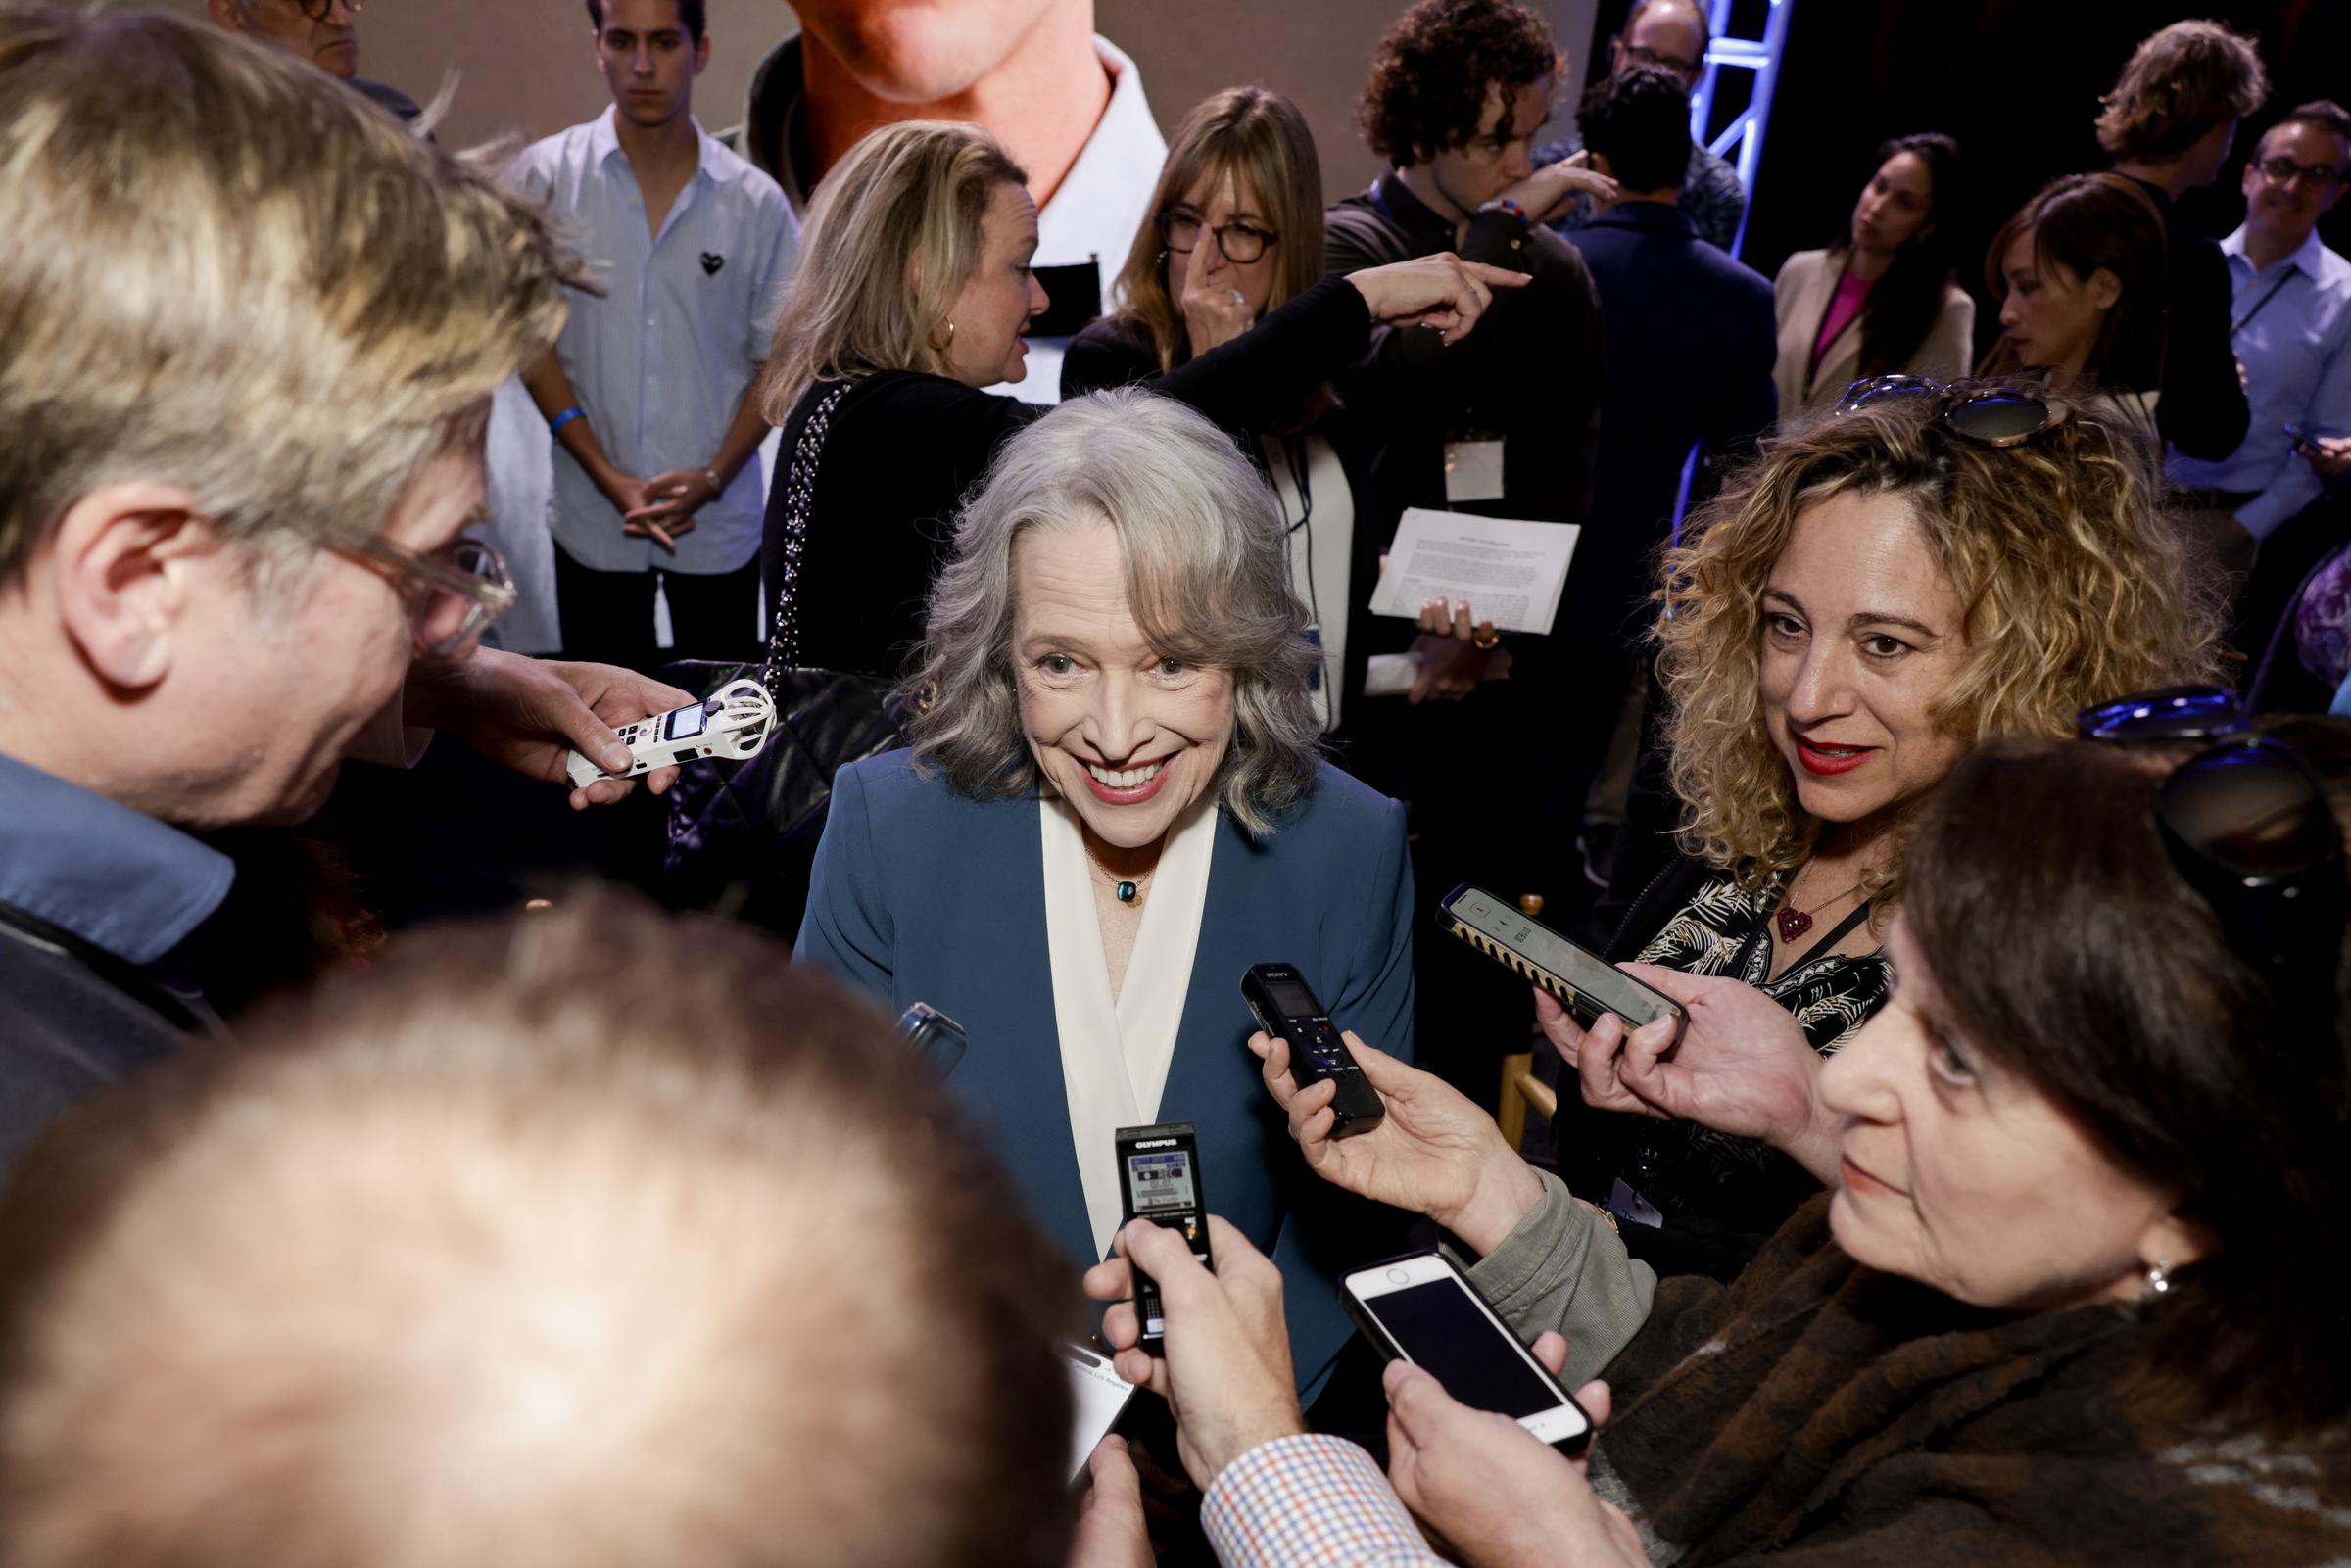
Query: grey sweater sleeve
point(1564, 1269)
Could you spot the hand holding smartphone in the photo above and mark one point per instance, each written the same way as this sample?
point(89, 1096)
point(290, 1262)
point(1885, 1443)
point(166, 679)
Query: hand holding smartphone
point(1589, 984)
point(1420, 1308)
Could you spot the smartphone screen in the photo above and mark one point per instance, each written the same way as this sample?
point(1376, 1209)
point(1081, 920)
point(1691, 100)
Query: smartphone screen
point(1440, 1328)
point(1098, 1396)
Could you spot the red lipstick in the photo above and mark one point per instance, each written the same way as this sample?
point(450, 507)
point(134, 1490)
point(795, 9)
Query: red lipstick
point(1825, 763)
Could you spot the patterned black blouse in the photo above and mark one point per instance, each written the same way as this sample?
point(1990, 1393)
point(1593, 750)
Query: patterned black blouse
point(1686, 1171)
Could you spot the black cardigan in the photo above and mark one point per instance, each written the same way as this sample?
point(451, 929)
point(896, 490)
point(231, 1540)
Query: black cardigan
point(904, 447)
point(1118, 351)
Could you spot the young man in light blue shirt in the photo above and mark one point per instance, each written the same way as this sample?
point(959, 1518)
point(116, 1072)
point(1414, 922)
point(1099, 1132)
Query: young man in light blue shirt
point(653, 392)
point(2290, 325)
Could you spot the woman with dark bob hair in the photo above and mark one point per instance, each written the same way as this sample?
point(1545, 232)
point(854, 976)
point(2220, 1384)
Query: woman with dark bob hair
point(2078, 1295)
point(1112, 807)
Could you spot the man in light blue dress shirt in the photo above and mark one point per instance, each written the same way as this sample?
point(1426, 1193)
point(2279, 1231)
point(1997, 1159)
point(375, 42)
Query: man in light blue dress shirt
point(653, 394)
point(2290, 325)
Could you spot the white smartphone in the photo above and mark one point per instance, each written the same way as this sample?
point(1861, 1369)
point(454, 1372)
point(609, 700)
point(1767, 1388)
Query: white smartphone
point(1420, 1308)
point(1098, 1396)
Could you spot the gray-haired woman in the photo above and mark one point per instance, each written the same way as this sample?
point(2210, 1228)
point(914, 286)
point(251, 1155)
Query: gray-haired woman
point(1112, 808)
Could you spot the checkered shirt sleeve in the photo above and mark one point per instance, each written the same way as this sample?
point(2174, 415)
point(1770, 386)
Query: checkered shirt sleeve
point(1310, 1499)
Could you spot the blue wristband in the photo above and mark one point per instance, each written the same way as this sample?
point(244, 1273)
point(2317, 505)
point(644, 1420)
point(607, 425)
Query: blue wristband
point(575, 411)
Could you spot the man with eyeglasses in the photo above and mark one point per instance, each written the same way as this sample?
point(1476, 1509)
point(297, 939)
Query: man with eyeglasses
point(1668, 35)
point(2290, 326)
point(232, 543)
point(324, 33)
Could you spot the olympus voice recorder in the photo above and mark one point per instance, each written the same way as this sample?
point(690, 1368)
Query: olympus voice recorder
point(1159, 1181)
point(1285, 1008)
point(733, 722)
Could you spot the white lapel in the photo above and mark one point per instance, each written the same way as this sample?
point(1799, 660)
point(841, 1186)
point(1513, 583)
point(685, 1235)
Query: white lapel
point(1115, 1056)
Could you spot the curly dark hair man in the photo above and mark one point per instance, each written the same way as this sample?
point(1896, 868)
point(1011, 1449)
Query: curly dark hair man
point(1440, 64)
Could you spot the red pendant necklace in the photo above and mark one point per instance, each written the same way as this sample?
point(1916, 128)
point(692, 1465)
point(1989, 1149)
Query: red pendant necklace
point(1792, 923)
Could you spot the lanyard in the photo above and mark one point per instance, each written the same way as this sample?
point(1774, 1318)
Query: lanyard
point(2247, 319)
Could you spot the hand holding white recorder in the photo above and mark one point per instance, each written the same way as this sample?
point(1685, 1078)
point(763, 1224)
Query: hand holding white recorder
point(733, 722)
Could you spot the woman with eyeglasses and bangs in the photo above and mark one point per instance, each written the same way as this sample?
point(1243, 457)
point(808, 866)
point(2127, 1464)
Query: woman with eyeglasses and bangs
point(1236, 232)
point(1881, 588)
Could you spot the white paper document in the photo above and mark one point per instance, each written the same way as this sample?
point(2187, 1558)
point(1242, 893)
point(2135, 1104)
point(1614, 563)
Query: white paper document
point(1510, 571)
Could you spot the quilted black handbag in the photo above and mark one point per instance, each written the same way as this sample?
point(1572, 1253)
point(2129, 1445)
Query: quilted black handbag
point(743, 834)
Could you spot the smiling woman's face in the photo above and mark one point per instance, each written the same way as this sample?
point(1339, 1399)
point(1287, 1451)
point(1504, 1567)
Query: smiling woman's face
point(1862, 634)
point(1128, 735)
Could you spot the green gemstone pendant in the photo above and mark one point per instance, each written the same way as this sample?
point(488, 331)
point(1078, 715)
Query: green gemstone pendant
point(1125, 892)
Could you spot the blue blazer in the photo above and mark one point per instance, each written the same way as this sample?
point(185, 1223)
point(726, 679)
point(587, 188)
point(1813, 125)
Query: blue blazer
point(923, 894)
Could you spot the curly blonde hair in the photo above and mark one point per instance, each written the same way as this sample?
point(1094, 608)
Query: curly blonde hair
point(2076, 587)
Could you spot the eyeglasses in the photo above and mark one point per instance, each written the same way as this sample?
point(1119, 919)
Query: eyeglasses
point(1987, 413)
point(2248, 824)
point(458, 590)
point(320, 10)
point(1639, 56)
point(1240, 242)
point(2283, 170)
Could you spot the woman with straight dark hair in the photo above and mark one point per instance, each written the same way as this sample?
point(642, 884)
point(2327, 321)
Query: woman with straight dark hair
point(1884, 300)
point(2079, 275)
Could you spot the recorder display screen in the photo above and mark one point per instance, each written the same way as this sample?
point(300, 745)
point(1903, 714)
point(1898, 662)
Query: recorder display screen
point(682, 722)
point(1160, 1179)
point(1293, 999)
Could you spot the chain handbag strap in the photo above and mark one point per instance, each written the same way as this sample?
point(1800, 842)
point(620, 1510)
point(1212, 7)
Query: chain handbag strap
point(799, 484)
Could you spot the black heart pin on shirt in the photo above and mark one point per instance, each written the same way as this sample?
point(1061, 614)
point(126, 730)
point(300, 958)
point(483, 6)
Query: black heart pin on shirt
point(712, 261)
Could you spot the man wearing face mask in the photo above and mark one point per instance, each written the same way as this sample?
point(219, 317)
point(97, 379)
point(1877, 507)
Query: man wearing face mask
point(324, 33)
point(2290, 325)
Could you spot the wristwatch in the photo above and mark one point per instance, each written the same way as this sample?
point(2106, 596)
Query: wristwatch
point(717, 488)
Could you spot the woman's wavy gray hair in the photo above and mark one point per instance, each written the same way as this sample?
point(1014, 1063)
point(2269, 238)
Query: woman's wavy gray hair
point(1206, 579)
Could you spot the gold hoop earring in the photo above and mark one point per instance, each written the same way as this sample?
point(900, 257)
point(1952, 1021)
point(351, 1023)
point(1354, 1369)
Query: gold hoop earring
point(941, 348)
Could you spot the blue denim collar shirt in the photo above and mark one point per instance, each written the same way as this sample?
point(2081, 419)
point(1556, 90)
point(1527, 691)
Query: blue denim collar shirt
point(2291, 328)
point(114, 876)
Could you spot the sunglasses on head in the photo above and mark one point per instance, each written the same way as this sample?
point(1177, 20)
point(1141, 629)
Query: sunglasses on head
point(1987, 413)
point(2248, 824)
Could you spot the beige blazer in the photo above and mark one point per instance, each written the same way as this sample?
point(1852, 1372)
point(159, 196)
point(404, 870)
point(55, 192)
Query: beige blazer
point(1801, 294)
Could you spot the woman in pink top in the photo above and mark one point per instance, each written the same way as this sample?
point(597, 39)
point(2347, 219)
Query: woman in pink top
point(1884, 298)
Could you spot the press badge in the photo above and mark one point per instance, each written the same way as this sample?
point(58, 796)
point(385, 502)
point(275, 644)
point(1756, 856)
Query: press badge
point(1472, 470)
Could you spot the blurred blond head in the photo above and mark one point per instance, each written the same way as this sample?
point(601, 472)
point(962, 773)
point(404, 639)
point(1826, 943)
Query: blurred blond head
point(592, 1239)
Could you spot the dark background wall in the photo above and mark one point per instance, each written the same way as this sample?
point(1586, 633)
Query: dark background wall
point(2016, 80)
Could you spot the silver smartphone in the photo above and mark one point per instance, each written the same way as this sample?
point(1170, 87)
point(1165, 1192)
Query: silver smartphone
point(1586, 982)
point(1421, 1308)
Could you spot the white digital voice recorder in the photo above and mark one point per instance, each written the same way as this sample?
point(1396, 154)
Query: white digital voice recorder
point(734, 722)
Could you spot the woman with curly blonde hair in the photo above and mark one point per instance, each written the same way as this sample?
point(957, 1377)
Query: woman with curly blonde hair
point(1877, 592)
